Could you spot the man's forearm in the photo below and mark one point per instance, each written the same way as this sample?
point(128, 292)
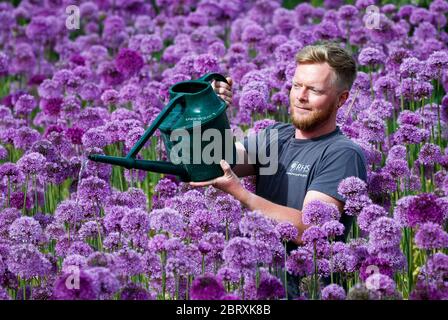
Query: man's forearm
point(277, 212)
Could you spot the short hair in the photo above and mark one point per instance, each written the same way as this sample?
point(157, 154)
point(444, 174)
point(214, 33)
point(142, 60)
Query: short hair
point(339, 59)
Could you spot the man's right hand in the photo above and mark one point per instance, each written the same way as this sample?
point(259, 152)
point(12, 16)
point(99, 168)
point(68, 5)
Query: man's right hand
point(224, 90)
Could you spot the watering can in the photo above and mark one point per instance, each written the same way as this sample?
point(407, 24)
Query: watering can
point(191, 103)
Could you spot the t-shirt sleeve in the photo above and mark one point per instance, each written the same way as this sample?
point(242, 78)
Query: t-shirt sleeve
point(336, 166)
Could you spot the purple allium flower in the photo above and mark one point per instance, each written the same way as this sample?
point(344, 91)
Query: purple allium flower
point(410, 67)
point(3, 153)
point(414, 210)
point(69, 211)
point(217, 241)
point(26, 261)
point(318, 212)
point(31, 163)
point(128, 62)
point(374, 264)
point(113, 217)
point(11, 172)
point(25, 105)
point(128, 262)
point(431, 236)
point(332, 229)
point(93, 189)
point(133, 291)
point(429, 155)
point(352, 187)
point(50, 89)
point(113, 241)
point(385, 233)
point(187, 203)
point(431, 283)
point(135, 222)
point(4, 67)
point(25, 230)
point(207, 287)
point(397, 168)
point(167, 220)
point(370, 214)
point(270, 287)
point(73, 261)
point(109, 97)
point(300, 262)
point(76, 285)
point(89, 91)
point(333, 292)
point(151, 43)
point(313, 234)
point(95, 137)
point(25, 137)
point(206, 63)
point(106, 281)
point(7, 217)
point(381, 284)
point(354, 206)
point(240, 253)
point(90, 229)
point(80, 247)
point(371, 56)
point(205, 220)
point(253, 33)
point(253, 100)
point(287, 231)
point(157, 244)
point(254, 224)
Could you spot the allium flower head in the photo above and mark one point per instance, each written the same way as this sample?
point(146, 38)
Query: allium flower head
point(207, 287)
point(318, 212)
point(333, 292)
point(418, 209)
point(431, 236)
point(25, 230)
point(385, 233)
point(167, 220)
point(85, 289)
point(352, 187)
point(128, 62)
point(31, 163)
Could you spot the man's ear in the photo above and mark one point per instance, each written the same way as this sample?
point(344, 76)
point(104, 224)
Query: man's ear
point(342, 98)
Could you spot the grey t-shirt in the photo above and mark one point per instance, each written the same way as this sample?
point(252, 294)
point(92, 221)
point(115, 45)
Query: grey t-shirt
point(310, 164)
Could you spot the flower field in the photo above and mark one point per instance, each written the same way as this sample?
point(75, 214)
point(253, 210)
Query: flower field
point(88, 77)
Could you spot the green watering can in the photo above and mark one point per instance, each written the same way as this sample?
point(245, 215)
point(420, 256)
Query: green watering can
point(191, 103)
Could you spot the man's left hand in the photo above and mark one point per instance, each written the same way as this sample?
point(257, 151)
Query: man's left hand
point(229, 182)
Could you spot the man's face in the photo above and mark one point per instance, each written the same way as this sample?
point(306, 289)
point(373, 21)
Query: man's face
point(313, 97)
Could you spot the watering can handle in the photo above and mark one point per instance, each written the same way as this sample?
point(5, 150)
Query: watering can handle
point(155, 125)
point(213, 76)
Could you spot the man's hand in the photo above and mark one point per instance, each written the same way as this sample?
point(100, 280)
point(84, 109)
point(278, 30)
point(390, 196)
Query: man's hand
point(224, 90)
point(229, 182)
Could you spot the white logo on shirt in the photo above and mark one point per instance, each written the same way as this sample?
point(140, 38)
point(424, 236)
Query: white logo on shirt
point(298, 169)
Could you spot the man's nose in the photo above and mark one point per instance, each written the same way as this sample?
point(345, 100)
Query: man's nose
point(302, 95)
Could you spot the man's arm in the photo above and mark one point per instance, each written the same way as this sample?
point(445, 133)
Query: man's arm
point(282, 213)
point(230, 183)
point(243, 167)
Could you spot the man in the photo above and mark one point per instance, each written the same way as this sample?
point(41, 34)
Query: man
point(313, 154)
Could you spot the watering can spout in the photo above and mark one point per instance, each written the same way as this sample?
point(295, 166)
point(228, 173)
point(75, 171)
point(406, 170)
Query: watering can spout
point(147, 165)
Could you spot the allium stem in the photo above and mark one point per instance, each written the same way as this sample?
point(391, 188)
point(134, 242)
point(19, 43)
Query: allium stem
point(24, 195)
point(285, 274)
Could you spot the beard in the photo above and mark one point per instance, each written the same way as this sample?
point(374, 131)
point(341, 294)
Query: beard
point(311, 120)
